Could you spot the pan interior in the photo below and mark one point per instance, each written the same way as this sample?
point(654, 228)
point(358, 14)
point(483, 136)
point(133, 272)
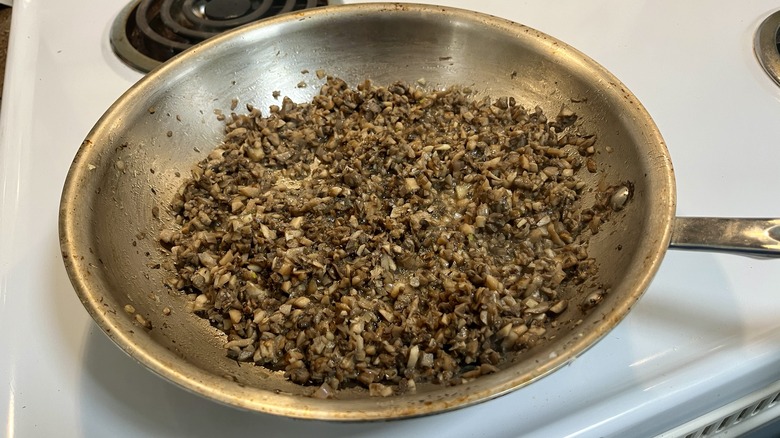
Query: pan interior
point(140, 151)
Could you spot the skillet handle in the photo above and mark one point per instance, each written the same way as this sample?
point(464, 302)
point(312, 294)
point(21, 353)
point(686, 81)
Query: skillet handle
point(750, 237)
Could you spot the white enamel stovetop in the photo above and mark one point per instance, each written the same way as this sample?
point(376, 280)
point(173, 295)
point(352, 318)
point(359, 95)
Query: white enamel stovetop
point(706, 332)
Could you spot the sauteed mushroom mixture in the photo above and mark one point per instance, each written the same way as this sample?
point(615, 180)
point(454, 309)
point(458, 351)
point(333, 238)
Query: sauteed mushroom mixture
point(385, 236)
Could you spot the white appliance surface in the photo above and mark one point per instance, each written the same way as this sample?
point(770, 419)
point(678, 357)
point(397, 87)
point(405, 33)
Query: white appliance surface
point(706, 332)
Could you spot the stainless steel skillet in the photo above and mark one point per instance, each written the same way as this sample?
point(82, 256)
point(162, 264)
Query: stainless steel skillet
point(128, 164)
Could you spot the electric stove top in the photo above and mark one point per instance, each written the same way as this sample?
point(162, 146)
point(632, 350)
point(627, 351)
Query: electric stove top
point(706, 335)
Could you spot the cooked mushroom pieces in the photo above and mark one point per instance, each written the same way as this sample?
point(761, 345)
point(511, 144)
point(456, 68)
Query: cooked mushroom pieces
point(384, 236)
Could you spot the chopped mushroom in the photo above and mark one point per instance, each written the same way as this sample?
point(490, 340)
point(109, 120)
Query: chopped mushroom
point(383, 236)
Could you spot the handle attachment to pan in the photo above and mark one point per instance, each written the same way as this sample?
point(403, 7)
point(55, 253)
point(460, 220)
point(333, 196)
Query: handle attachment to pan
point(749, 237)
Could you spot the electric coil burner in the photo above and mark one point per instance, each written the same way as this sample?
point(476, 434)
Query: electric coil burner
point(149, 32)
point(767, 46)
